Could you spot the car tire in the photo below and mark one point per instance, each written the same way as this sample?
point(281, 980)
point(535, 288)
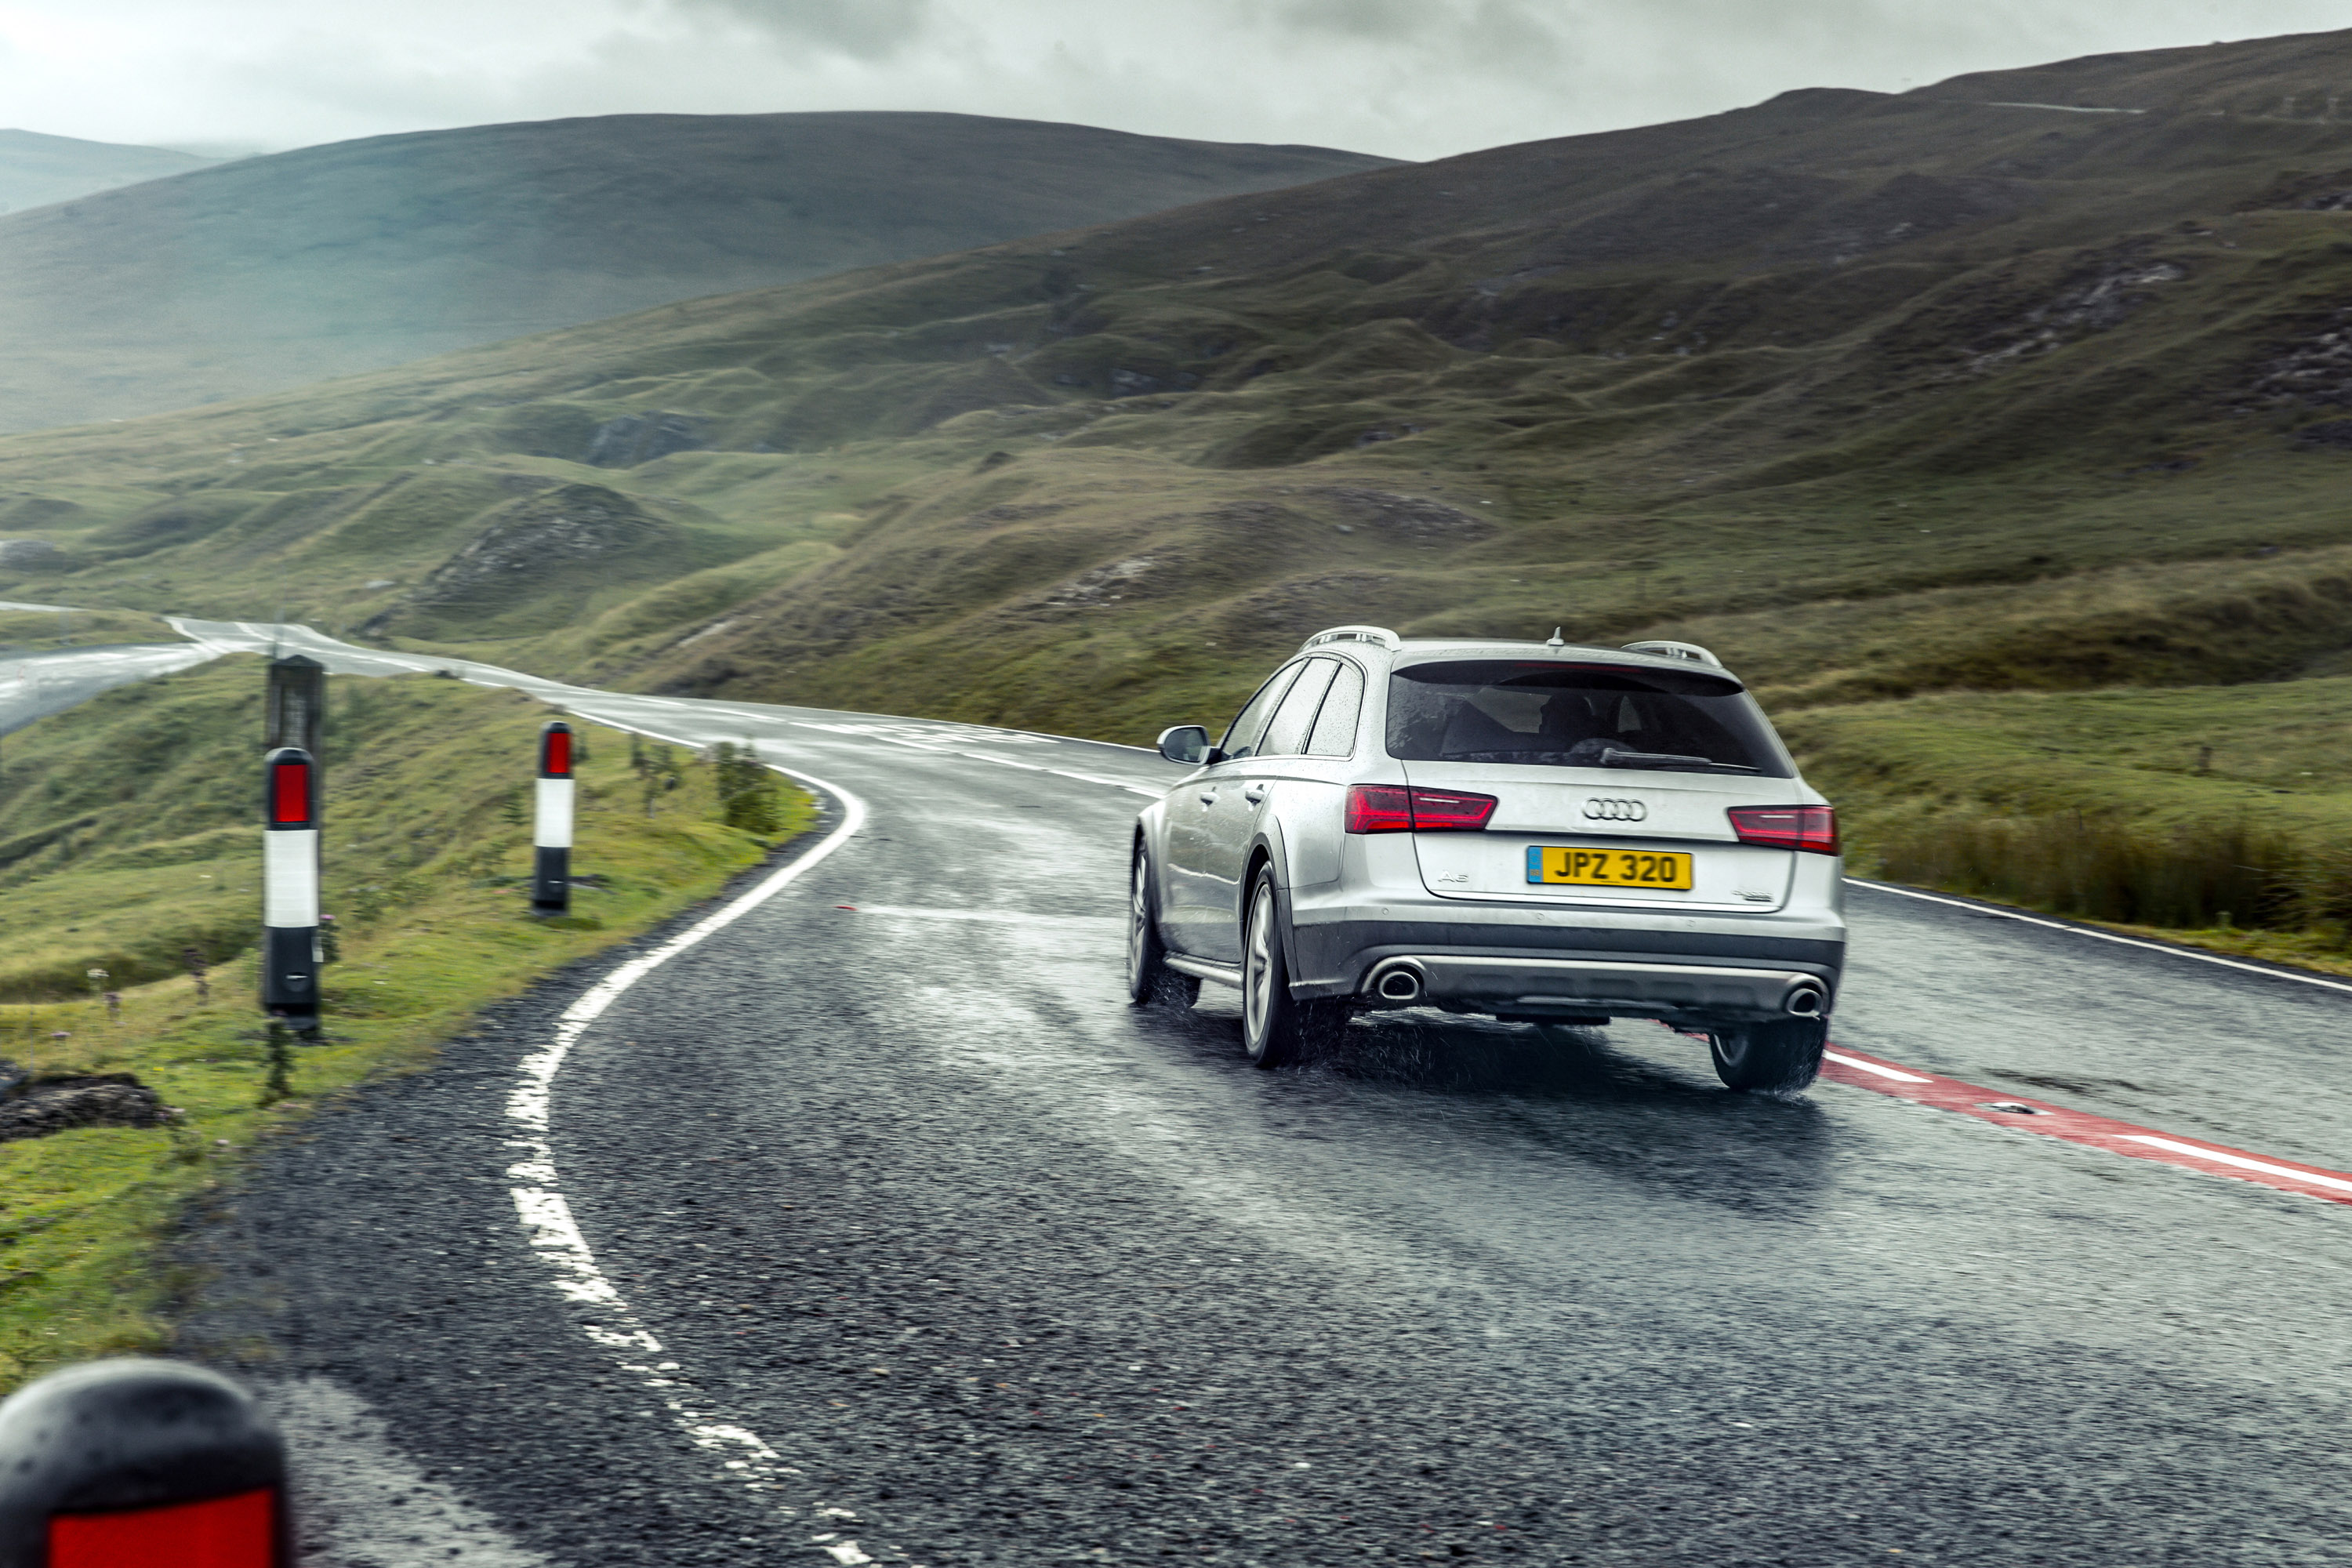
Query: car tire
point(1276, 1029)
point(1781, 1056)
point(1148, 978)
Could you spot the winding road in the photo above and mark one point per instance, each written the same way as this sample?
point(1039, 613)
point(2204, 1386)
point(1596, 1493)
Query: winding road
point(36, 684)
point(858, 1218)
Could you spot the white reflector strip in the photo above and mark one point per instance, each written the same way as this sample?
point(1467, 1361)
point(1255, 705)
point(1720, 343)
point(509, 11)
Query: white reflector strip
point(289, 877)
point(554, 827)
point(1858, 1064)
point(2242, 1161)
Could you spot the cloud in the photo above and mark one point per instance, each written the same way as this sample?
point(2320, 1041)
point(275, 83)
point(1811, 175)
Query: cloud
point(1414, 79)
point(1438, 36)
point(862, 29)
point(1387, 19)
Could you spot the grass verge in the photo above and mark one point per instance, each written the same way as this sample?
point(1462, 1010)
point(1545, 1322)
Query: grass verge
point(427, 846)
point(42, 631)
point(2219, 816)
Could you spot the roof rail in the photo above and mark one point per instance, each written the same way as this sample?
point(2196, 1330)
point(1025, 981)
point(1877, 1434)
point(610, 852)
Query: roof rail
point(1684, 650)
point(1379, 636)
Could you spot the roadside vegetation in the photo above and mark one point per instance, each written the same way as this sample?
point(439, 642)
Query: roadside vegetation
point(133, 872)
point(43, 631)
point(2217, 815)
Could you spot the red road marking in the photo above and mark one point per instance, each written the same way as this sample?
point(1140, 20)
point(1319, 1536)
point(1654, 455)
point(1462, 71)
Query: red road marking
point(1855, 1070)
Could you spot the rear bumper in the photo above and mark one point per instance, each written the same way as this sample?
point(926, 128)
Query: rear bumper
point(1505, 960)
point(1529, 987)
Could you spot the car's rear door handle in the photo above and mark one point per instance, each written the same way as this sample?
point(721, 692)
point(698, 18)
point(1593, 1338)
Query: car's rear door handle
point(1255, 793)
point(1208, 797)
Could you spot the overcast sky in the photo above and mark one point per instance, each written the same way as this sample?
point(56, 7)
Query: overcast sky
point(1411, 78)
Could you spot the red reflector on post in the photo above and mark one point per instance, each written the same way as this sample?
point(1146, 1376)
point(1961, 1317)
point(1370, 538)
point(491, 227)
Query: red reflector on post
point(289, 792)
point(1812, 828)
point(555, 759)
point(1392, 809)
point(237, 1532)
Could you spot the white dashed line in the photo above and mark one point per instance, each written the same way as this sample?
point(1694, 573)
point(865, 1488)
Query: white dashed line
point(1006, 761)
point(1113, 784)
point(1021, 918)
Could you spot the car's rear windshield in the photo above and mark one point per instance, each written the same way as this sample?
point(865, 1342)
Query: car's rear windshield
point(1547, 714)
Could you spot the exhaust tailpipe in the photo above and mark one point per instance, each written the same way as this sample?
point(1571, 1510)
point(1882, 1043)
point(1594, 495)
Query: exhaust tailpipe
point(1398, 982)
point(1804, 1002)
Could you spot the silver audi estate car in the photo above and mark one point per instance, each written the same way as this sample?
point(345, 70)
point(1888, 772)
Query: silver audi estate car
point(1534, 831)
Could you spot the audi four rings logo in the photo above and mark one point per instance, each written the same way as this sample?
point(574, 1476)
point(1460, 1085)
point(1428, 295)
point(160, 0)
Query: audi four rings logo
point(1615, 810)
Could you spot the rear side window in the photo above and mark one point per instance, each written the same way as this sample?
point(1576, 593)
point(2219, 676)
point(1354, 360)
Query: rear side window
point(1547, 714)
point(1249, 724)
point(1335, 726)
point(1286, 735)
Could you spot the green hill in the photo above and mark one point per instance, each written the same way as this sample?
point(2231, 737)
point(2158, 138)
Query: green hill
point(270, 272)
point(36, 170)
point(1881, 396)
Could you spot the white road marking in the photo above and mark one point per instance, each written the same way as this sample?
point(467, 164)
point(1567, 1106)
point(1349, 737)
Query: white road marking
point(927, 736)
point(555, 1238)
point(1006, 761)
point(648, 734)
point(2222, 1157)
point(2066, 107)
point(1064, 774)
point(1861, 1066)
point(2106, 936)
point(1114, 783)
point(990, 916)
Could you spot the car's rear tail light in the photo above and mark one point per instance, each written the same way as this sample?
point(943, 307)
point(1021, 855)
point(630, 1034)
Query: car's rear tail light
point(1379, 808)
point(1449, 811)
point(1392, 809)
point(1808, 827)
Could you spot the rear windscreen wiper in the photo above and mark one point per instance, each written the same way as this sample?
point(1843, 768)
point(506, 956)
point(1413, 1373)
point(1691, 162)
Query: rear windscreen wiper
point(1668, 761)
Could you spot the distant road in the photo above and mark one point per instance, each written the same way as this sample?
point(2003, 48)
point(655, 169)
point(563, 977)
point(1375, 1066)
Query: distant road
point(34, 685)
point(874, 1225)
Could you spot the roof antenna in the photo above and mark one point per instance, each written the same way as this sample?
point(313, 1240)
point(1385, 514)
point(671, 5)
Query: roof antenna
point(1555, 641)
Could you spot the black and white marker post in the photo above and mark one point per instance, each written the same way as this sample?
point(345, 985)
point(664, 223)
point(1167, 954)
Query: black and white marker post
point(551, 881)
point(135, 1463)
point(289, 902)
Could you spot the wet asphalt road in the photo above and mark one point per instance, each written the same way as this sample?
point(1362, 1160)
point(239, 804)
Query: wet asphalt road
point(1001, 1270)
point(34, 683)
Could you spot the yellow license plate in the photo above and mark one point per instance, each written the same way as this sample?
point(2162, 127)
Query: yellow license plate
point(1610, 868)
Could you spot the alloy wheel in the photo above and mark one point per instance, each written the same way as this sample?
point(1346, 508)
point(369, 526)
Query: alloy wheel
point(1258, 971)
point(1139, 919)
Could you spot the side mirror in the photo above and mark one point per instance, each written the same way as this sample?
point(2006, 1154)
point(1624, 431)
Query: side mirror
point(1188, 744)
